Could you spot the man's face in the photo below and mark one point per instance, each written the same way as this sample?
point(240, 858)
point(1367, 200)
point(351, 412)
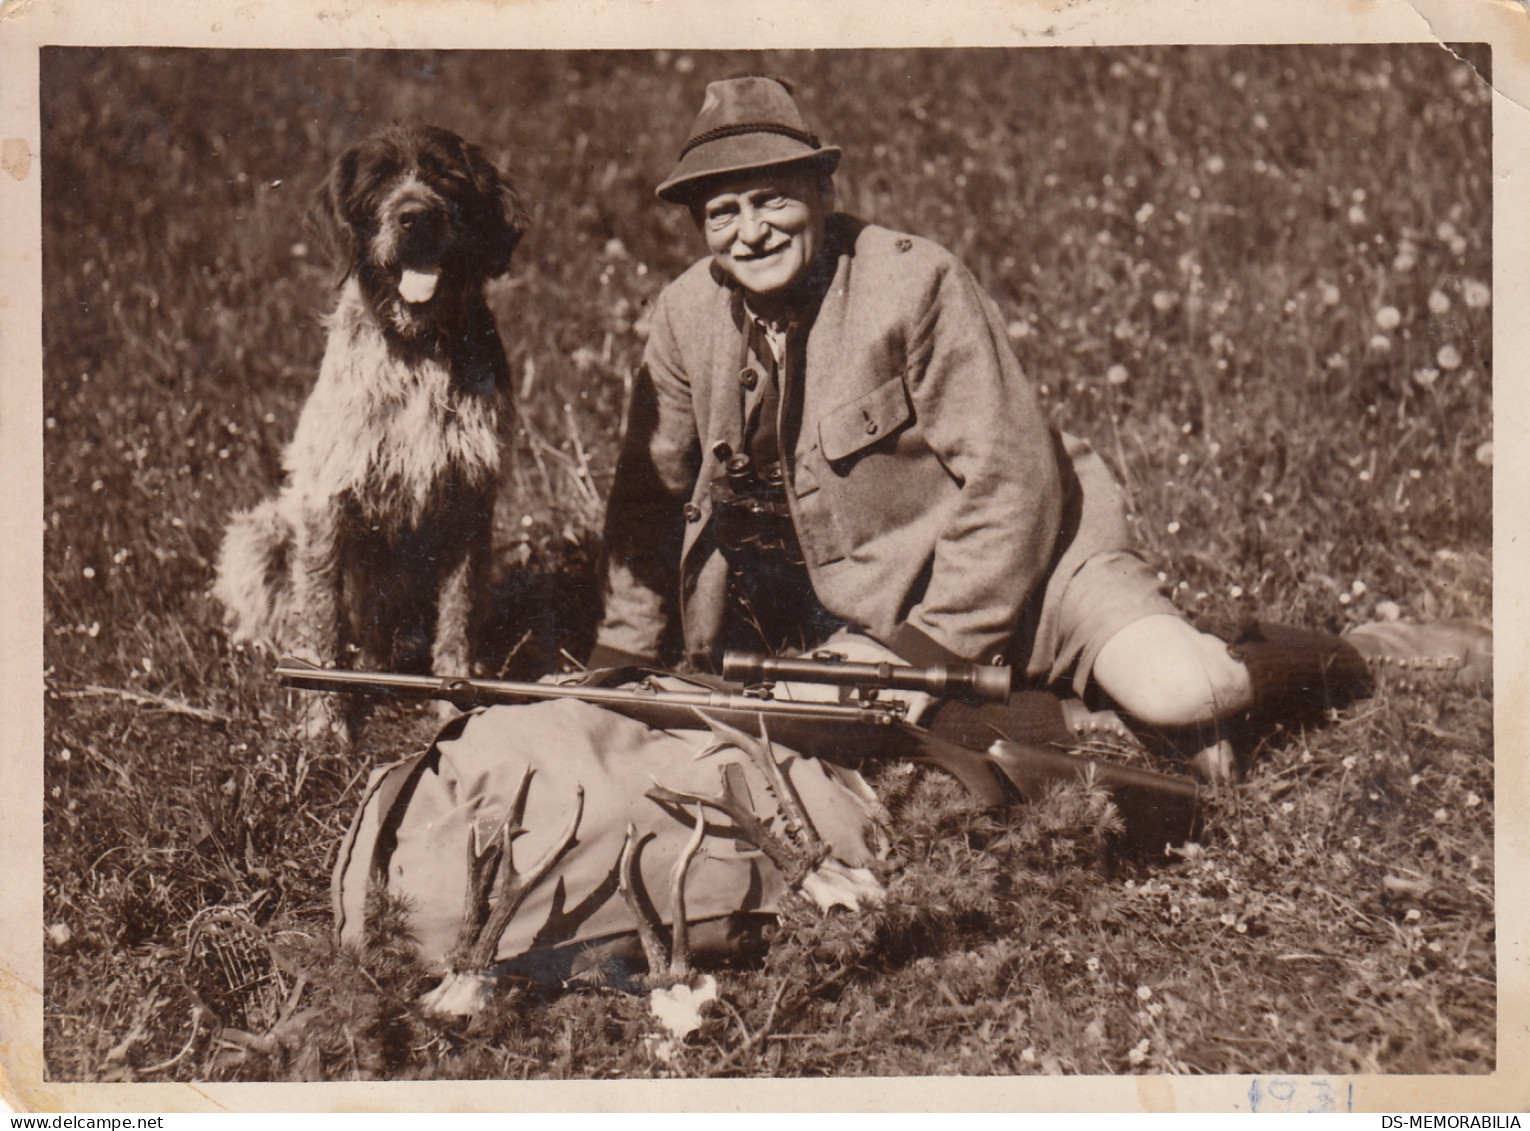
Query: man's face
point(764, 227)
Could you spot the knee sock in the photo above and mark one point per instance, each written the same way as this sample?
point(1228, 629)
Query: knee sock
point(1298, 673)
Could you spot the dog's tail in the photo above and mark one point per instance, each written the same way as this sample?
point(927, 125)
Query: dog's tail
point(253, 580)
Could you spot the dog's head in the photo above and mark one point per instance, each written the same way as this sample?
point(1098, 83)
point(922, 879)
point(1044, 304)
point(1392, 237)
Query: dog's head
point(422, 219)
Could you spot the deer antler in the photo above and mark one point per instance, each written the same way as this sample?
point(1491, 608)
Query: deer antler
point(802, 856)
point(514, 887)
point(680, 945)
point(676, 966)
point(646, 919)
point(731, 802)
point(483, 865)
point(468, 987)
point(759, 750)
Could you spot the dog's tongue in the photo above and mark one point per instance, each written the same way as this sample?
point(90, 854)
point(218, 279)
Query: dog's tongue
point(418, 286)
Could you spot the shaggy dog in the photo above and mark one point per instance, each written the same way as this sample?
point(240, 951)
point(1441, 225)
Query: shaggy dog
point(378, 542)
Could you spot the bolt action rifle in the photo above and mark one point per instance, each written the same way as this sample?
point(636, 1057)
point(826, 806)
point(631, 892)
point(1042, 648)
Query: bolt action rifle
point(1156, 809)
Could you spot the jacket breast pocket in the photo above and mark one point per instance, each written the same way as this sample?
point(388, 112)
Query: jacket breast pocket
point(868, 419)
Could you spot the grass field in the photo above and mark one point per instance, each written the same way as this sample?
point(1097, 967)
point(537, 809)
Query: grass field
point(1257, 278)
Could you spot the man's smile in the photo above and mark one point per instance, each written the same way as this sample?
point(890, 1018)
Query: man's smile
point(766, 253)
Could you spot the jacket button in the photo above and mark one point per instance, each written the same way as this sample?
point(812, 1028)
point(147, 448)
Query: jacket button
point(749, 377)
point(904, 244)
point(871, 427)
point(692, 512)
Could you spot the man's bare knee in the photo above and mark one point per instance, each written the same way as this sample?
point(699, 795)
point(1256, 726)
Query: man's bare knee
point(1166, 674)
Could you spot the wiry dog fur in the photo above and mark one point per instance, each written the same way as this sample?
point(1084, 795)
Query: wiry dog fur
point(378, 541)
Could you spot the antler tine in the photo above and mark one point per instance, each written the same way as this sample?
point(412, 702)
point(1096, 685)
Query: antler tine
point(518, 804)
point(514, 887)
point(482, 864)
point(647, 920)
point(763, 755)
point(791, 800)
point(731, 803)
point(680, 950)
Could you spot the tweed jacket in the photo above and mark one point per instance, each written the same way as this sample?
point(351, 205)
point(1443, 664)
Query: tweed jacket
point(935, 507)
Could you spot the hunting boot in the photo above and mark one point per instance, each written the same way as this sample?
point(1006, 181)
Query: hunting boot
point(1455, 651)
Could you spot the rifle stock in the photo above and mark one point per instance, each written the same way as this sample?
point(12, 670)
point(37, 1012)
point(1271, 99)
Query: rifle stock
point(1156, 809)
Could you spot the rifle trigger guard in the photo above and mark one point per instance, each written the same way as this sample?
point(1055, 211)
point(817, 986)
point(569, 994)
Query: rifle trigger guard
point(460, 693)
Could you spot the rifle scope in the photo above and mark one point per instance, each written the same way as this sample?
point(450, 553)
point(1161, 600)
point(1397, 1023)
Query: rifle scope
point(948, 681)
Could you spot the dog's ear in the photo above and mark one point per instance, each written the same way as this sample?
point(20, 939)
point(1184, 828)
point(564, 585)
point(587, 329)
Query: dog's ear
point(331, 218)
point(502, 218)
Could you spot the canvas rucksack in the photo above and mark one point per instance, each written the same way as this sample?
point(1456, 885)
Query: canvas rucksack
point(424, 820)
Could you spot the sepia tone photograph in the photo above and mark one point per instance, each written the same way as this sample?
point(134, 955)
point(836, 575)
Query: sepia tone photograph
point(682, 563)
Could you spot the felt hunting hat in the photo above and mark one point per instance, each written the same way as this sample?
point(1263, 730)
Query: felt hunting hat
point(745, 123)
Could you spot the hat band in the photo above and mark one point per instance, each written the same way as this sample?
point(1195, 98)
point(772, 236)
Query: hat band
point(810, 140)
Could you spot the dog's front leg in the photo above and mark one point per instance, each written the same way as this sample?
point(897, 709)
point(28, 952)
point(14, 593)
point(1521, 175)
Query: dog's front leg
point(315, 629)
point(461, 604)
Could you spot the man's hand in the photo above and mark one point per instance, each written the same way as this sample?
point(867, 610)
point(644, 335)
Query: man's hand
point(857, 648)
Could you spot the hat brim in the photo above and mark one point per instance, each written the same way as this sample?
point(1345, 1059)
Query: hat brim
point(742, 154)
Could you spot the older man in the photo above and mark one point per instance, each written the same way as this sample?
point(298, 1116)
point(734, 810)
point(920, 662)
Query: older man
point(830, 440)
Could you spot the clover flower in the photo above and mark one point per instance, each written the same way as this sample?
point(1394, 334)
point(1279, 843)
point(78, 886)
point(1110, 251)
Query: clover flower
point(1449, 357)
point(1425, 377)
point(1439, 303)
point(1117, 375)
point(1388, 318)
point(1476, 295)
